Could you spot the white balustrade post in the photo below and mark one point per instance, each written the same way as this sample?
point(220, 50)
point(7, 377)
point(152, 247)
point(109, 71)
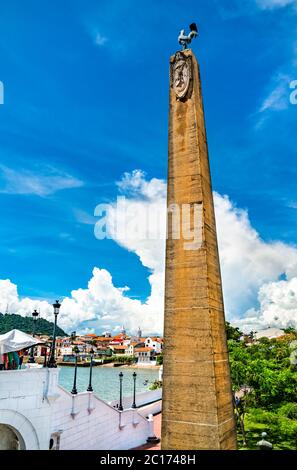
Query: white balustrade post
point(152, 436)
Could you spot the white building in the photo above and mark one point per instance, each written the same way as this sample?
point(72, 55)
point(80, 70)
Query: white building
point(132, 346)
point(106, 334)
point(269, 333)
point(145, 356)
point(155, 343)
point(66, 351)
point(36, 413)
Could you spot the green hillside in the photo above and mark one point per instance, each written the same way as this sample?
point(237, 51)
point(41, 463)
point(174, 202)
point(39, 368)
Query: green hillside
point(12, 321)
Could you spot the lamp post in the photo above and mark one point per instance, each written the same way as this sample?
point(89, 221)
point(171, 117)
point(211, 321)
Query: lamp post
point(45, 358)
point(52, 360)
point(90, 388)
point(121, 391)
point(264, 444)
point(31, 358)
point(134, 390)
point(74, 389)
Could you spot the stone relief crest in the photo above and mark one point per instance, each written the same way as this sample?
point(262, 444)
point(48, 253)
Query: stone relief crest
point(181, 74)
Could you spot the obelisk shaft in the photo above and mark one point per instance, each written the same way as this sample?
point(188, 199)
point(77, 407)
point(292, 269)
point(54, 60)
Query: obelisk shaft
point(197, 397)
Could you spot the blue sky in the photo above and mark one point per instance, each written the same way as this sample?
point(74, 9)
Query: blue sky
point(86, 100)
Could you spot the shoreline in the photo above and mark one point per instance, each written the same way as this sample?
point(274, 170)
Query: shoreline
point(135, 366)
point(110, 365)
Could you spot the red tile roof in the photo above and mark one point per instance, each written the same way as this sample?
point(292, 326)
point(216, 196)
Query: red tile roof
point(143, 350)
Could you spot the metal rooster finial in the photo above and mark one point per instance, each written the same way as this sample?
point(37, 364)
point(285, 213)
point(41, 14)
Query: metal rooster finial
point(184, 40)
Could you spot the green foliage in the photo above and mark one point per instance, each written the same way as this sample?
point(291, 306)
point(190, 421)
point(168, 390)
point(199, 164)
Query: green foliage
point(11, 321)
point(160, 359)
point(104, 353)
point(265, 367)
point(290, 330)
point(155, 385)
point(107, 360)
point(282, 431)
point(124, 359)
point(75, 350)
point(233, 332)
point(289, 410)
point(120, 359)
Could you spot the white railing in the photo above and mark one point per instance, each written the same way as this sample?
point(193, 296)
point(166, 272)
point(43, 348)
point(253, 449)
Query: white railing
point(142, 399)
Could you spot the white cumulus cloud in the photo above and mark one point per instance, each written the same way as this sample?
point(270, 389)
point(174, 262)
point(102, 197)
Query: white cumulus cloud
point(251, 269)
point(247, 261)
point(277, 307)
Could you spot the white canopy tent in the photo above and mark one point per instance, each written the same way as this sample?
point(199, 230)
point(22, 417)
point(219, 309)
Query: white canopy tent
point(16, 340)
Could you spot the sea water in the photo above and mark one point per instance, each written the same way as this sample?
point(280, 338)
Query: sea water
point(106, 382)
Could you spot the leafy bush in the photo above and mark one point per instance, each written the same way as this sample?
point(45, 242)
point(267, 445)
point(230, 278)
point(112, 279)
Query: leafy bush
point(155, 385)
point(124, 359)
point(160, 359)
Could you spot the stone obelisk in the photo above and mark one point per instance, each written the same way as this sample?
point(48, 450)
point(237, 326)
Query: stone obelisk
point(197, 397)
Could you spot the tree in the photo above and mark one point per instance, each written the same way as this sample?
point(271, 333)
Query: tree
point(240, 408)
point(13, 321)
point(160, 359)
point(233, 332)
point(290, 330)
point(266, 371)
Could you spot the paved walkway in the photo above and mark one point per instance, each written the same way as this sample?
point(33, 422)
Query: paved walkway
point(157, 430)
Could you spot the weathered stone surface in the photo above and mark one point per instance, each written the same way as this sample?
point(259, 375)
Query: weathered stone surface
point(197, 398)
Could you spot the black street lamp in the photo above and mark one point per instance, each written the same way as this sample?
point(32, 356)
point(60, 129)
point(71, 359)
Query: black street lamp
point(134, 390)
point(121, 391)
point(45, 358)
point(74, 389)
point(52, 360)
point(90, 388)
point(31, 358)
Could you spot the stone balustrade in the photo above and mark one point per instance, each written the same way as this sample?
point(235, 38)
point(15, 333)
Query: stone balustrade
point(42, 415)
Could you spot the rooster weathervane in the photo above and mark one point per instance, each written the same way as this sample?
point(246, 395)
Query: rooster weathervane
point(184, 40)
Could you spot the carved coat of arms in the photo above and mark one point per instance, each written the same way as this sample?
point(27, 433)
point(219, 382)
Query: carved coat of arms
point(181, 74)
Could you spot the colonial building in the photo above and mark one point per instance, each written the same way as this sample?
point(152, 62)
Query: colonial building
point(155, 343)
point(132, 346)
point(144, 355)
point(103, 341)
point(119, 349)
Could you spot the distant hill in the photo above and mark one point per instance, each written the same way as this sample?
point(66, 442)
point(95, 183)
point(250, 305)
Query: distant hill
point(11, 321)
